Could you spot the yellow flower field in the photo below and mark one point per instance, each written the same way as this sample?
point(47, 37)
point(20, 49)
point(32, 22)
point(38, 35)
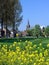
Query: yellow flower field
point(25, 53)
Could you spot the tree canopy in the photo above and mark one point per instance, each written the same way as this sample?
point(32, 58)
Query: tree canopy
point(10, 13)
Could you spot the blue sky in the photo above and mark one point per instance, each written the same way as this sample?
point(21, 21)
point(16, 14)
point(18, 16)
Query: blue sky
point(37, 11)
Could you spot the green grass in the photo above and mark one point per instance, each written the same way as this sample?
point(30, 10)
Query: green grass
point(33, 40)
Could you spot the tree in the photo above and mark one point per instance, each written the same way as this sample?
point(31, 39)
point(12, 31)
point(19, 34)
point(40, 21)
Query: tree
point(37, 30)
point(12, 13)
point(43, 32)
point(17, 14)
point(4, 12)
point(29, 32)
point(1, 13)
point(47, 31)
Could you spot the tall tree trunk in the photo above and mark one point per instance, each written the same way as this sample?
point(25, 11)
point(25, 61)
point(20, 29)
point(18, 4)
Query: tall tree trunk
point(2, 26)
point(6, 17)
point(2, 23)
point(6, 29)
point(13, 29)
point(6, 24)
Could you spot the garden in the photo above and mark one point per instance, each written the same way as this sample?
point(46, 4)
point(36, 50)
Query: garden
point(24, 52)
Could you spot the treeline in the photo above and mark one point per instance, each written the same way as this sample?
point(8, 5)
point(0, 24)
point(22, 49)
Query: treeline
point(37, 31)
point(10, 15)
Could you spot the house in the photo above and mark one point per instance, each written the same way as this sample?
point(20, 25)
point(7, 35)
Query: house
point(24, 33)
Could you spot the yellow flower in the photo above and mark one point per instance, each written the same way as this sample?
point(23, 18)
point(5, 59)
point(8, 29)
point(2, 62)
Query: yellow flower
point(40, 55)
point(17, 35)
point(26, 41)
point(17, 47)
point(46, 63)
point(10, 46)
point(19, 58)
point(31, 60)
point(40, 44)
point(46, 52)
point(34, 63)
point(36, 51)
point(34, 46)
point(13, 44)
point(24, 54)
point(11, 60)
point(30, 47)
point(47, 45)
point(32, 55)
point(21, 63)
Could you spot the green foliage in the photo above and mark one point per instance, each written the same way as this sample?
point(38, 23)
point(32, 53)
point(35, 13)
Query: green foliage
point(37, 30)
point(10, 12)
point(47, 30)
point(11, 40)
point(30, 32)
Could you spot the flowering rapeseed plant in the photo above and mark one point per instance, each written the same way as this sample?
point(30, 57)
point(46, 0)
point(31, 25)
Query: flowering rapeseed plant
point(25, 53)
point(47, 45)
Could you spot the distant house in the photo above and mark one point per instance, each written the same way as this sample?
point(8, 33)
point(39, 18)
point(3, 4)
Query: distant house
point(24, 33)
